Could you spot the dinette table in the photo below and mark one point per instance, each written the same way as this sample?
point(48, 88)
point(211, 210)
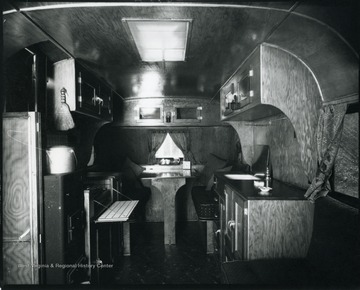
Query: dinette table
point(168, 183)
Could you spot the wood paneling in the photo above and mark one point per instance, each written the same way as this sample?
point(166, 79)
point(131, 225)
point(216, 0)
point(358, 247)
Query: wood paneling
point(285, 154)
point(17, 265)
point(22, 195)
point(16, 178)
point(246, 136)
point(290, 86)
point(129, 111)
point(279, 229)
point(168, 189)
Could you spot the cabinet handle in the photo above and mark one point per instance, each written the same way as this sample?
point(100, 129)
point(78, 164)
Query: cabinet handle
point(231, 224)
point(80, 90)
point(97, 100)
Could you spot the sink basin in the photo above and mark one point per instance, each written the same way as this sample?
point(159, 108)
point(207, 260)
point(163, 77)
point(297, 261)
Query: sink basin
point(241, 177)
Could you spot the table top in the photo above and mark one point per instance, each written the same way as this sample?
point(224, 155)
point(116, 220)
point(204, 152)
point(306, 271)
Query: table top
point(170, 174)
point(119, 211)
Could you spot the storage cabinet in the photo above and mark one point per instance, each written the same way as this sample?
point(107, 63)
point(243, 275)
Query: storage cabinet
point(261, 227)
point(241, 96)
point(85, 93)
point(22, 198)
point(64, 229)
point(234, 225)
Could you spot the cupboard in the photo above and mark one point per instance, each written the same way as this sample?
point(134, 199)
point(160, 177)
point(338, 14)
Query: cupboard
point(85, 93)
point(255, 226)
point(64, 228)
point(22, 198)
point(241, 97)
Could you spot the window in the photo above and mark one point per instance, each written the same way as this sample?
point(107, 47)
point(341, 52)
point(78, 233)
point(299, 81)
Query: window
point(168, 149)
point(346, 177)
point(346, 168)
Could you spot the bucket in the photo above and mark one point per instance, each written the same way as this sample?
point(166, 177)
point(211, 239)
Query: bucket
point(60, 159)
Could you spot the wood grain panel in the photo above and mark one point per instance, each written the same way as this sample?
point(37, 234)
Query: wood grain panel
point(279, 134)
point(17, 267)
point(154, 210)
point(22, 194)
point(168, 189)
point(16, 177)
point(279, 229)
point(169, 104)
point(246, 136)
point(289, 86)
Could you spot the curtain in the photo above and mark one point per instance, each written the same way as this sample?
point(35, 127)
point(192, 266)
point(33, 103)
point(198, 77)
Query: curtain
point(183, 142)
point(154, 142)
point(328, 136)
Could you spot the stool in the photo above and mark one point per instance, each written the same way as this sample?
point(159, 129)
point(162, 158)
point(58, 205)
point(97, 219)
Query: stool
point(207, 209)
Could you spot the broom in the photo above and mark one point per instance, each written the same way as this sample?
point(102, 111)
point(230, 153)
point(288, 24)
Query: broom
point(63, 118)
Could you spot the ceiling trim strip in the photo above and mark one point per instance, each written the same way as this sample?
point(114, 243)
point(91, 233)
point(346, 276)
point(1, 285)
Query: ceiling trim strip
point(137, 4)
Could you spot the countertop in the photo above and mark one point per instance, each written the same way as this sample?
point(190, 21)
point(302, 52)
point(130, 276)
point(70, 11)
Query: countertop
point(248, 190)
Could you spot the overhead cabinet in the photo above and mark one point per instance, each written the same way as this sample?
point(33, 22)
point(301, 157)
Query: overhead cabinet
point(241, 96)
point(85, 93)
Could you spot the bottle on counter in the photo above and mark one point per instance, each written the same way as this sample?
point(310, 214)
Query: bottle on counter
point(267, 177)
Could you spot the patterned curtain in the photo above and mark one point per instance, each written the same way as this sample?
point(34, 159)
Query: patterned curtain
point(155, 140)
point(328, 138)
point(182, 141)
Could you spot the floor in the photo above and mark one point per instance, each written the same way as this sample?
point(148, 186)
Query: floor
point(152, 262)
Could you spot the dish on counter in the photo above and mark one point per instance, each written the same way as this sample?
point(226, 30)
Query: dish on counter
point(265, 188)
point(241, 177)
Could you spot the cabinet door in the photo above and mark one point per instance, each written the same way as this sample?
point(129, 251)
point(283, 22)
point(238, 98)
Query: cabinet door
point(222, 228)
point(105, 102)
point(229, 223)
point(22, 195)
point(240, 213)
point(87, 91)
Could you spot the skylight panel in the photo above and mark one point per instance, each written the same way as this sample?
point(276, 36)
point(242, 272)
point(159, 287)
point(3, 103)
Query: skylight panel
point(160, 40)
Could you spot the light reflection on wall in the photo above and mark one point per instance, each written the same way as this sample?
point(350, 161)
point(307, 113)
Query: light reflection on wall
point(150, 84)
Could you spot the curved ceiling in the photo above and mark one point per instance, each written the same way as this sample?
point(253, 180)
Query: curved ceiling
point(222, 36)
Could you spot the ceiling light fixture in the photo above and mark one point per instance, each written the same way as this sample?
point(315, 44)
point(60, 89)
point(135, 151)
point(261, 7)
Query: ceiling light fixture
point(160, 40)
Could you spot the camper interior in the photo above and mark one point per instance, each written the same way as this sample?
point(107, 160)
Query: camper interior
point(180, 142)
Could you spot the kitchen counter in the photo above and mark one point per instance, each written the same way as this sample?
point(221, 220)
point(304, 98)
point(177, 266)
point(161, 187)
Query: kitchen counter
point(248, 189)
point(255, 225)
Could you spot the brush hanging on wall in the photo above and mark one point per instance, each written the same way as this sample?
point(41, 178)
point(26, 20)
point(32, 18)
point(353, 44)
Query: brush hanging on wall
point(63, 118)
